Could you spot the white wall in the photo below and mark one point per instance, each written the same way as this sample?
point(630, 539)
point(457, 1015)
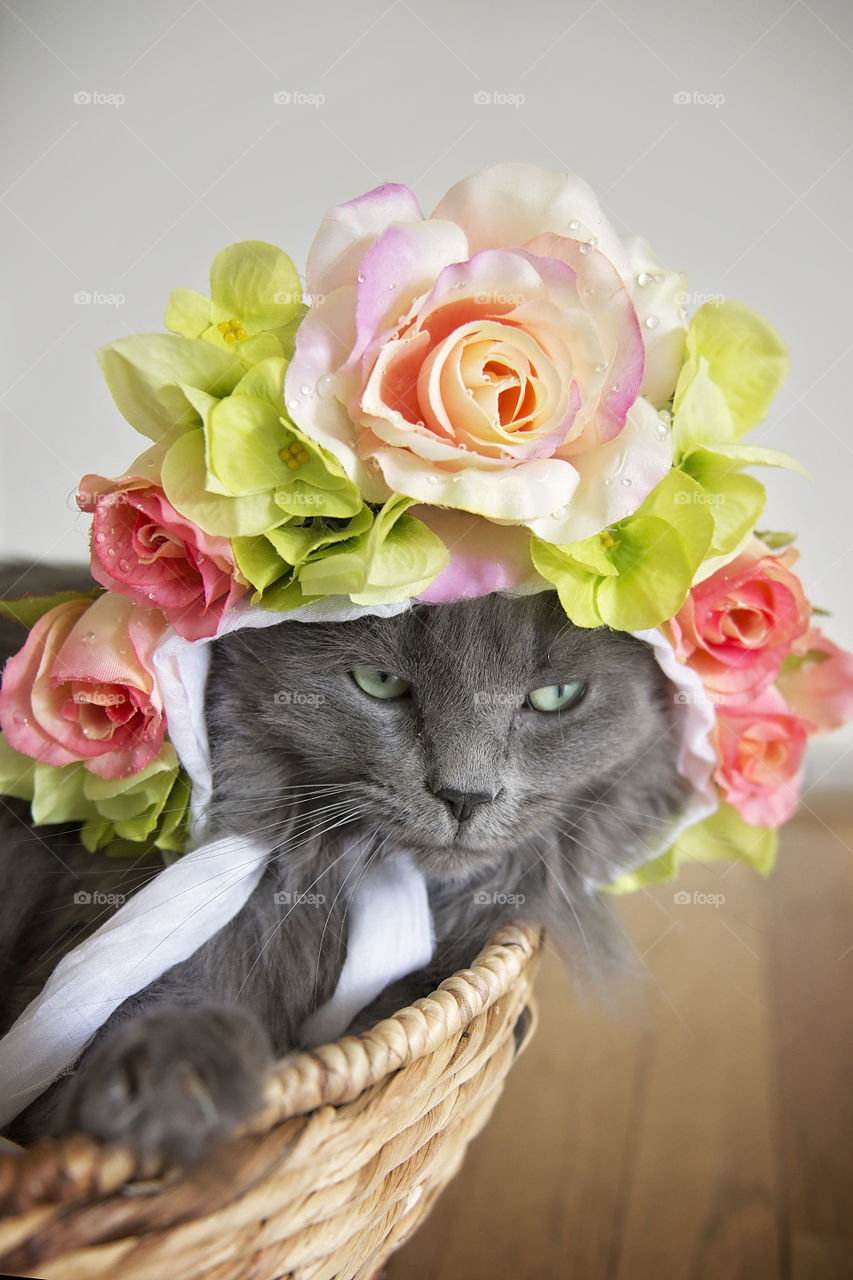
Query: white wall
point(751, 195)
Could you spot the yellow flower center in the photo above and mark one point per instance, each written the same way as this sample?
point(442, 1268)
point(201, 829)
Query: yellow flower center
point(293, 455)
point(232, 330)
point(608, 541)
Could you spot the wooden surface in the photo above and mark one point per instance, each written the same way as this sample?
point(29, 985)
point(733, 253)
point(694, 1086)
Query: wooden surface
point(706, 1131)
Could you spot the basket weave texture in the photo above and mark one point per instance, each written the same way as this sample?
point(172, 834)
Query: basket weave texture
point(353, 1144)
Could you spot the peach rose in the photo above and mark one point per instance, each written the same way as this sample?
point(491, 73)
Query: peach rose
point(490, 357)
point(820, 689)
point(761, 749)
point(83, 688)
point(144, 549)
point(736, 627)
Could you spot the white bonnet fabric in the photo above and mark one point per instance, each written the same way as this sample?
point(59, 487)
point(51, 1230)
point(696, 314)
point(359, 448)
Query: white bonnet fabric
point(390, 926)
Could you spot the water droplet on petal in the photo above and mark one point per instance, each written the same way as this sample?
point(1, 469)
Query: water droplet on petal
point(89, 637)
point(609, 481)
point(111, 552)
point(392, 285)
point(325, 383)
point(574, 224)
point(360, 278)
point(665, 415)
point(593, 240)
point(432, 479)
point(601, 367)
point(627, 483)
point(615, 387)
point(306, 390)
point(100, 537)
point(652, 322)
point(463, 446)
point(151, 595)
point(586, 248)
point(658, 278)
point(587, 293)
point(643, 279)
point(293, 404)
point(662, 431)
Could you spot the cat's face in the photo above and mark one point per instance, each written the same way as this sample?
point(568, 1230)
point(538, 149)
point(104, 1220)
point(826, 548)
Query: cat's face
point(465, 729)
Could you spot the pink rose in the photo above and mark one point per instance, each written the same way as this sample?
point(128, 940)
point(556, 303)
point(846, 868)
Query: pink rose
point(143, 548)
point(761, 748)
point(492, 356)
point(83, 688)
point(736, 627)
point(820, 690)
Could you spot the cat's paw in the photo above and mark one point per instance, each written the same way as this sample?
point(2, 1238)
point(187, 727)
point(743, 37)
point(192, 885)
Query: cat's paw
point(170, 1082)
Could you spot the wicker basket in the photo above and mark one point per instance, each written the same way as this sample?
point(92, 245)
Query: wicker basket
point(353, 1145)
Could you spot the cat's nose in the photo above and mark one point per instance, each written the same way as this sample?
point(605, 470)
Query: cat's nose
point(463, 803)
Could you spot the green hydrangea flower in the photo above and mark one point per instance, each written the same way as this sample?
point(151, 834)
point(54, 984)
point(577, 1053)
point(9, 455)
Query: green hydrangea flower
point(635, 574)
point(377, 557)
point(254, 307)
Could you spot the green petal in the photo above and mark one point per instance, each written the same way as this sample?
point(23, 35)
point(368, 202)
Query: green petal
point(681, 502)
point(655, 573)
point(703, 415)
point(29, 609)
point(576, 586)
point(735, 501)
point(259, 562)
point(285, 594)
point(145, 374)
point(256, 283)
point(188, 313)
point(751, 455)
point(184, 480)
point(747, 359)
point(244, 438)
point(59, 794)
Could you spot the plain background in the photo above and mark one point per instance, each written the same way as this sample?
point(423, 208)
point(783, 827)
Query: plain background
point(142, 138)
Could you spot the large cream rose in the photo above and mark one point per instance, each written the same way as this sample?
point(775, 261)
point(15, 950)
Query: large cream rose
point(504, 356)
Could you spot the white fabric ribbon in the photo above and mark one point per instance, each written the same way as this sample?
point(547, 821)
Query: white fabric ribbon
point(390, 927)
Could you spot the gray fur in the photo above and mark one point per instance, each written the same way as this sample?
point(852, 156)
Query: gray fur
point(304, 757)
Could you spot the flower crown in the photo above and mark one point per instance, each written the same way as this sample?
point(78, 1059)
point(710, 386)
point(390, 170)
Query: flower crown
point(503, 395)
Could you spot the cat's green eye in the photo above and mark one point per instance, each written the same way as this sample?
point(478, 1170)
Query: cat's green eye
point(379, 684)
point(557, 697)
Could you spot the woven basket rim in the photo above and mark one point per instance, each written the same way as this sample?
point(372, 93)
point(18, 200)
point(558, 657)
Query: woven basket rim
point(53, 1171)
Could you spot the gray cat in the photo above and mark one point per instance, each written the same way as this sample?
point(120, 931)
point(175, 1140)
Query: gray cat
point(520, 760)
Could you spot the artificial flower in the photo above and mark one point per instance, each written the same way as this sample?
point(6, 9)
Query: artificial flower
point(761, 747)
point(636, 573)
point(816, 680)
point(736, 627)
point(83, 687)
point(488, 358)
point(254, 307)
point(144, 549)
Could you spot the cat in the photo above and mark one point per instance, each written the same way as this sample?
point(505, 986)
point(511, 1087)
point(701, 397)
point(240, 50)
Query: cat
point(416, 732)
